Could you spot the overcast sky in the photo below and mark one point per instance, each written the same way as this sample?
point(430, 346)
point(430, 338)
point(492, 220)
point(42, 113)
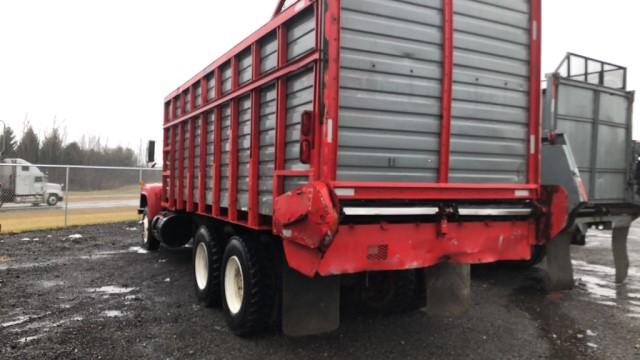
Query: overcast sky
point(104, 67)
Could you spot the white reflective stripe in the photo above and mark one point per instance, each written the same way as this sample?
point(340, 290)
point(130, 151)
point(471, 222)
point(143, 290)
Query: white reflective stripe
point(521, 193)
point(493, 212)
point(533, 144)
point(408, 211)
point(354, 211)
point(345, 191)
point(330, 131)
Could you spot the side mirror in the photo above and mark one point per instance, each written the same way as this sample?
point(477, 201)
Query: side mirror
point(151, 152)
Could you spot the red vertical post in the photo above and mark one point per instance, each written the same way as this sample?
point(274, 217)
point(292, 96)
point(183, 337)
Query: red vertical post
point(217, 156)
point(331, 94)
point(202, 193)
point(233, 162)
point(447, 89)
point(172, 167)
point(181, 134)
point(535, 140)
point(281, 114)
point(191, 165)
point(254, 162)
point(317, 90)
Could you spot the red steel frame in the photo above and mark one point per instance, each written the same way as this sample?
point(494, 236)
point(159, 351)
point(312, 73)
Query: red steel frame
point(326, 111)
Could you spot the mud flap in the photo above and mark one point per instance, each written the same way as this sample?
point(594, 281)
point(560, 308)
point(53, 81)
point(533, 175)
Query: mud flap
point(620, 254)
point(448, 289)
point(559, 270)
point(310, 306)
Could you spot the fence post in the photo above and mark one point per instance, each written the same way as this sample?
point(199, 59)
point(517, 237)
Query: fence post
point(140, 177)
point(66, 198)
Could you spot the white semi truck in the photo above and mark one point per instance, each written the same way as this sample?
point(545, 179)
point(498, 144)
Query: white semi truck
point(22, 182)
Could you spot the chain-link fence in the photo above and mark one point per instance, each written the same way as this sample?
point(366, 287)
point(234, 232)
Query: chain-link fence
point(34, 197)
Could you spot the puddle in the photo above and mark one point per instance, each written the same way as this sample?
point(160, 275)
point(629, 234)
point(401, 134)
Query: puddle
point(51, 283)
point(111, 290)
point(598, 281)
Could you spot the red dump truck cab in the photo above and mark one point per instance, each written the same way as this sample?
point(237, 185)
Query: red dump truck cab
point(363, 136)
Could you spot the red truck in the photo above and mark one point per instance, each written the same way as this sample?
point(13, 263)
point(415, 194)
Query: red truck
point(372, 146)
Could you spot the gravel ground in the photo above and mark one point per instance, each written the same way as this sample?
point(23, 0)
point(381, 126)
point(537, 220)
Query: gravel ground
point(91, 292)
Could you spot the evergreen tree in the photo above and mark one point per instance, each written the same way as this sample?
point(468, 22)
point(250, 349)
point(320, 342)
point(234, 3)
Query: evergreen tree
point(8, 139)
point(29, 146)
point(51, 149)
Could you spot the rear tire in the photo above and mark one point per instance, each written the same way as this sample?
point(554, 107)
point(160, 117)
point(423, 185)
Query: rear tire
point(207, 260)
point(247, 287)
point(149, 242)
point(390, 292)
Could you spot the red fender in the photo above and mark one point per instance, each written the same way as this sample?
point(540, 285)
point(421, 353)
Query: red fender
point(307, 220)
point(153, 194)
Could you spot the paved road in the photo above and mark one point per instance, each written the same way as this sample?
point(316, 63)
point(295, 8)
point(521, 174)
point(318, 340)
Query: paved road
point(100, 295)
point(73, 204)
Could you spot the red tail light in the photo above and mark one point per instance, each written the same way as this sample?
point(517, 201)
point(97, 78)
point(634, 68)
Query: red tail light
point(306, 137)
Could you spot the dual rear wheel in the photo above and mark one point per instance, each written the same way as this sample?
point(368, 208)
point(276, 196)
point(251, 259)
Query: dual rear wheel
point(236, 277)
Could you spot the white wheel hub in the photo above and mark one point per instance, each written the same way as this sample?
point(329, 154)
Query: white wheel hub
point(145, 228)
point(233, 285)
point(202, 266)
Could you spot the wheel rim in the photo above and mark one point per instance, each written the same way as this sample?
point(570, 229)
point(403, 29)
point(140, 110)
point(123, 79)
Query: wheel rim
point(145, 229)
point(52, 200)
point(233, 285)
point(202, 266)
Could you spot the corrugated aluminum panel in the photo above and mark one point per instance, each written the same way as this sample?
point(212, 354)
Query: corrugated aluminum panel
point(211, 86)
point(244, 67)
point(185, 163)
point(196, 161)
point(390, 87)
point(490, 110)
point(269, 53)
point(225, 133)
point(187, 101)
point(596, 120)
point(299, 99)
point(198, 95)
point(267, 147)
point(210, 165)
point(244, 151)
point(226, 78)
point(301, 34)
point(176, 158)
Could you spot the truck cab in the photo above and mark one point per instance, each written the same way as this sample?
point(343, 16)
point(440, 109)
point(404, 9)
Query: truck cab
point(26, 183)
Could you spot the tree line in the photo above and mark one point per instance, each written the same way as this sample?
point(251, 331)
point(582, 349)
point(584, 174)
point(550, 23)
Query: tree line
point(52, 149)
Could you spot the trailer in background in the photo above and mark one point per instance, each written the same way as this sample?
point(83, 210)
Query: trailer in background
point(589, 151)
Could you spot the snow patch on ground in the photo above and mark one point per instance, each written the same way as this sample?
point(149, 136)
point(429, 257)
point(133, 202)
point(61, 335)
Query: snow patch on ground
point(138, 250)
point(112, 313)
point(112, 290)
point(17, 321)
point(73, 237)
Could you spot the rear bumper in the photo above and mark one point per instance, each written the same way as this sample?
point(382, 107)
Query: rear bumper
point(385, 246)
